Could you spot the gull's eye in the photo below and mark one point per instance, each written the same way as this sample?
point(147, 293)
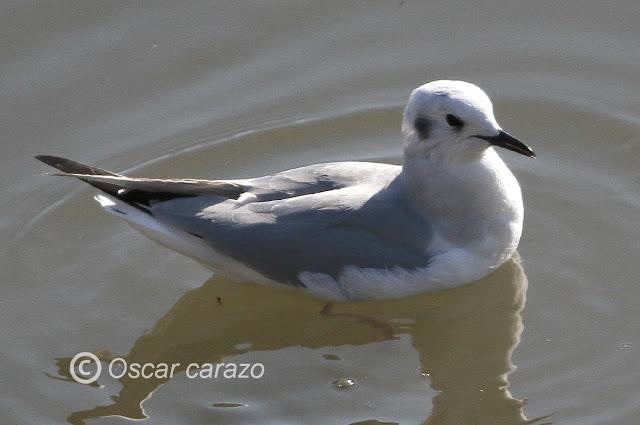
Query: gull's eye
point(422, 126)
point(454, 121)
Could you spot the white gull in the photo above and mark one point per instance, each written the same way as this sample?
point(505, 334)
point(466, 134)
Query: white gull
point(451, 214)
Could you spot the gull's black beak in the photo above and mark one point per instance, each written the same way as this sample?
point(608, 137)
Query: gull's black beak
point(507, 141)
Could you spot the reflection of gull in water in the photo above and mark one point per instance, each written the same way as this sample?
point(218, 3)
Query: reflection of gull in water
point(451, 214)
point(464, 337)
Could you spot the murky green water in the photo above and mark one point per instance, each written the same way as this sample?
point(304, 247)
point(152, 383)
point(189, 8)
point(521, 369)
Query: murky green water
point(208, 90)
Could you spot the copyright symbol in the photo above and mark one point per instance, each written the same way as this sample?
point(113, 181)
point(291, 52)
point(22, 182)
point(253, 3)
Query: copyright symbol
point(80, 362)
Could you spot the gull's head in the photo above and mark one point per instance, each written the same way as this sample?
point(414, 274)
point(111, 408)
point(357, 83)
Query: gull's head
point(453, 119)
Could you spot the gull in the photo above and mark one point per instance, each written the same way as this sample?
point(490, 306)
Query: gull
point(347, 231)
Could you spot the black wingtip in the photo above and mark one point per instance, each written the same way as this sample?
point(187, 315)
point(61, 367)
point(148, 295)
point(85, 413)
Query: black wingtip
point(54, 161)
point(72, 167)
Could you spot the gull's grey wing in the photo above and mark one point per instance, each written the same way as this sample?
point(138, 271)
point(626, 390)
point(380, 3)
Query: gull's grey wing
point(291, 183)
point(317, 178)
point(320, 218)
point(367, 226)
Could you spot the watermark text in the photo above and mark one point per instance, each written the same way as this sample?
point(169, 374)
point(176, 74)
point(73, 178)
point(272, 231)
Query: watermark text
point(86, 368)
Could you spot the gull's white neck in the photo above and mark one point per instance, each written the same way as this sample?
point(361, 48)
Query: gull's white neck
point(475, 203)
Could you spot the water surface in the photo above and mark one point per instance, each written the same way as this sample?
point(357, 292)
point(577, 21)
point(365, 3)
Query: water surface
point(213, 91)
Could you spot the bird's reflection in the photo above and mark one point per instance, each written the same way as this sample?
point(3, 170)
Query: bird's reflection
point(464, 336)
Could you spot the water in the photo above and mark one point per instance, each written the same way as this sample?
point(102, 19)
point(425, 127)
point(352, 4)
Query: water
point(208, 90)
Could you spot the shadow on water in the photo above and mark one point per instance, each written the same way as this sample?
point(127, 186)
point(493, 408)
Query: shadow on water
point(464, 336)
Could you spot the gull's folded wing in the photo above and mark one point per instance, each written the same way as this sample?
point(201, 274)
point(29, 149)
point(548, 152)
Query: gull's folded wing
point(121, 186)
